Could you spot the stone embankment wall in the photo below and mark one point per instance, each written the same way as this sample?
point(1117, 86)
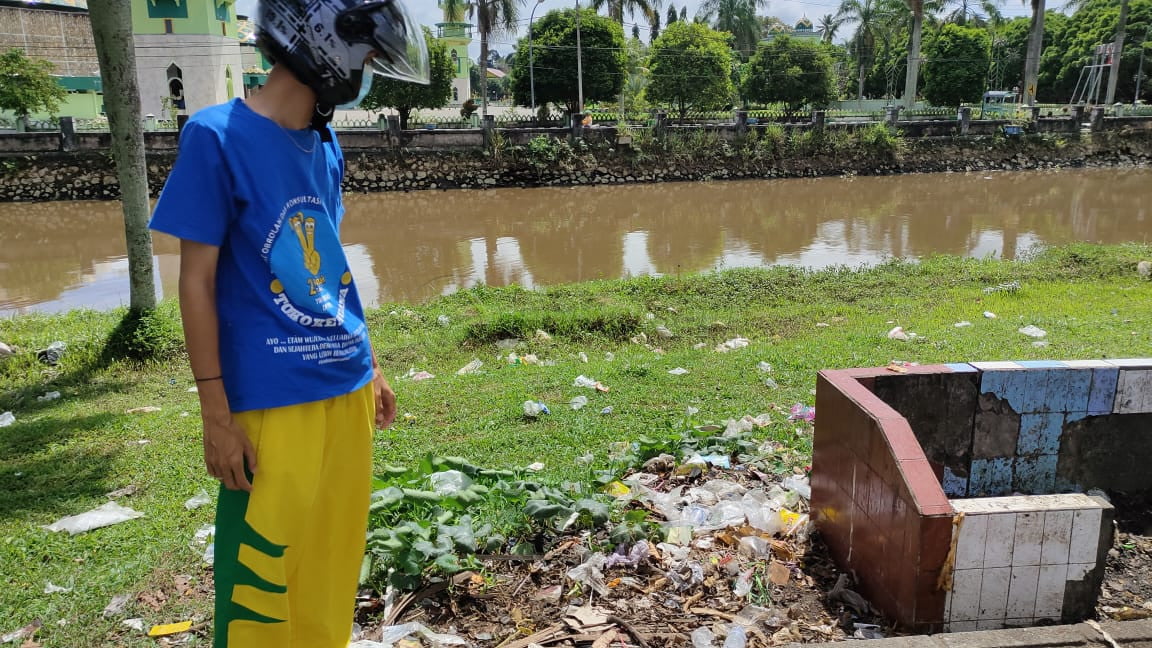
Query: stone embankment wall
point(33, 169)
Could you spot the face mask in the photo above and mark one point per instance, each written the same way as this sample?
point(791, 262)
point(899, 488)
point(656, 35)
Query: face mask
point(365, 88)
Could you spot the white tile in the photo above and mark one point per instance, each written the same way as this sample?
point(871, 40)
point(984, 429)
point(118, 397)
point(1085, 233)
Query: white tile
point(970, 543)
point(994, 624)
point(1087, 364)
point(1015, 503)
point(1026, 547)
point(1001, 533)
point(1084, 546)
point(995, 366)
point(1057, 536)
point(1079, 571)
point(1022, 592)
point(1050, 591)
point(966, 594)
point(994, 593)
point(962, 626)
point(1131, 362)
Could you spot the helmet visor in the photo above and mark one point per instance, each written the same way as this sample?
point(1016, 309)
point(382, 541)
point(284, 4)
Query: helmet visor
point(401, 50)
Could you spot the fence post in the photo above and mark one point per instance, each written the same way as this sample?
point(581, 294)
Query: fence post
point(741, 122)
point(1077, 114)
point(394, 125)
point(661, 124)
point(819, 118)
point(67, 134)
point(489, 128)
point(965, 119)
point(891, 115)
point(1097, 121)
point(577, 125)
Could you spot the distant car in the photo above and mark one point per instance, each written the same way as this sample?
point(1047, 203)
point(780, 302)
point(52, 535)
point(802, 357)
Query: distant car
point(1000, 103)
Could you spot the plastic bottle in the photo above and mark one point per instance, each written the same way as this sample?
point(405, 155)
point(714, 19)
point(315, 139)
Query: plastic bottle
point(736, 637)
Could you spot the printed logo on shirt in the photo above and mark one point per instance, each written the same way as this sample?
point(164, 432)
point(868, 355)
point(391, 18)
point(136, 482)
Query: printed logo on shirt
point(312, 278)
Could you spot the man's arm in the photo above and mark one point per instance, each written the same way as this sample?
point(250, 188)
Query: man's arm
point(226, 446)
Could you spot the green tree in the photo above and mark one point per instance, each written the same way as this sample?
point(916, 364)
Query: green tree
point(870, 17)
point(617, 9)
point(27, 85)
point(827, 27)
point(554, 42)
point(791, 72)
point(493, 18)
point(737, 17)
point(691, 68)
point(406, 96)
point(672, 15)
point(1121, 26)
point(957, 63)
point(1071, 41)
point(980, 12)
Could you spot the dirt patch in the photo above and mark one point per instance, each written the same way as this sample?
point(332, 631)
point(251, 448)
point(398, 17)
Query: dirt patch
point(1127, 590)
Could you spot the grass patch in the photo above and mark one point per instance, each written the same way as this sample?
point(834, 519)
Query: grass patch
point(62, 456)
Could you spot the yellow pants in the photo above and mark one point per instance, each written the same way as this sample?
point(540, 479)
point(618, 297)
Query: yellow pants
point(288, 554)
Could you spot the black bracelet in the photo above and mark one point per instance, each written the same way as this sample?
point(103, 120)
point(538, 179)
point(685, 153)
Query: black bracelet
point(209, 379)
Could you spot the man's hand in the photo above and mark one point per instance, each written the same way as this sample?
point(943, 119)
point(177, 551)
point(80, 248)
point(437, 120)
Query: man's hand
point(226, 450)
point(385, 399)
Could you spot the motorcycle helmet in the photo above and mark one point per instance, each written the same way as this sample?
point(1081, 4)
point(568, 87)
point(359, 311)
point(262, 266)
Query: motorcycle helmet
point(335, 46)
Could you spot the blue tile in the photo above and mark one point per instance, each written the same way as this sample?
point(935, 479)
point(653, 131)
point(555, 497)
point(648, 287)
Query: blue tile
point(954, 485)
point(1067, 390)
point(992, 382)
point(961, 367)
point(1041, 364)
point(1072, 417)
point(990, 477)
point(1103, 393)
point(1040, 433)
point(1035, 475)
point(1017, 385)
point(1035, 390)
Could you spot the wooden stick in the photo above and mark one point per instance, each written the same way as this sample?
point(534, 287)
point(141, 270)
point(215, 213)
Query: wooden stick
point(629, 629)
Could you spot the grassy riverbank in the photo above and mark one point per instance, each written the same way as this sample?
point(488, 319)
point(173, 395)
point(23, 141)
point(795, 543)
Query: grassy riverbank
point(62, 456)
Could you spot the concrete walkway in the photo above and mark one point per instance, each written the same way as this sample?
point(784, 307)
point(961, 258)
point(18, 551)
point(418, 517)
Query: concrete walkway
point(1111, 634)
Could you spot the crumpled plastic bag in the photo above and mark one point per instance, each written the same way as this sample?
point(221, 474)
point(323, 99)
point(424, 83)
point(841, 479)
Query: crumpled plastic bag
point(799, 485)
point(591, 573)
point(199, 499)
point(105, 515)
point(631, 558)
point(394, 634)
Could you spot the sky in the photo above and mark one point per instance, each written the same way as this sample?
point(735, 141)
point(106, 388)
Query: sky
point(790, 11)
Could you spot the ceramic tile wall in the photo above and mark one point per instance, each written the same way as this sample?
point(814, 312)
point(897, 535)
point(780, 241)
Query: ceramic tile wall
point(1016, 555)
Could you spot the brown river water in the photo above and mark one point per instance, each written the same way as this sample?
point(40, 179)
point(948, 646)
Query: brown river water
point(412, 247)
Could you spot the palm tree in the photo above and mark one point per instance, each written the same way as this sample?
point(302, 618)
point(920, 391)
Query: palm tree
point(618, 8)
point(1118, 46)
point(869, 16)
point(493, 17)
point(981, 12)
point(737, 17)
point(1035, 46)
point(827, 27)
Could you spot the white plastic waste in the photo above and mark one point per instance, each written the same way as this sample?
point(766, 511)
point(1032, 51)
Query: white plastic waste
point(578, 402)
point(703, 637)
point(471, 367)
point(898, 333)
point(105, 515)
point(394, 634)
point(7, 418)
point(989, 315)
point(678, 371)
point(205, 537)
point(199, 499)
point(532, 409)
point(963, 324)
point(591, 573)
point(764, 366)
point(49, 396)
point(736, 637)
point(798, 484)
point(609, 356)
point(583, 357)
point(771, 384)
point(444, 320)
point(1033, 331)
point(732, 345)
point(663, 332)
point(50, 588)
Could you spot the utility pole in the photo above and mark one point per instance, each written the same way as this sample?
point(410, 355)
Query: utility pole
point(579, 64)
point(1117, 49)
point(532, 56)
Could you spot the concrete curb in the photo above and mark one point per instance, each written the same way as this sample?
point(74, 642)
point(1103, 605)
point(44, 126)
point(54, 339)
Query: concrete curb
point(1130, 634)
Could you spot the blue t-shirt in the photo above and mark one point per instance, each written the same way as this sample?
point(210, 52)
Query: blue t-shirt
point(291, 324)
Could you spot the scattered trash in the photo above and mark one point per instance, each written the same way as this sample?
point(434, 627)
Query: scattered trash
point(50, 588)
point(535, 467)
point(867, 631)
point(771, 384)
point(170, 629)
point(532, 409)
point(764, 367)
point(578, 402)
point(105, 515)
point(392, 635)
point(128, 490)
point(1009, 287)
point(1144, 269)
point(898, 333)
point(591, 573)
point(193, 389)
point(49, 396)
point(703, 637)
point(732, 345)
point(23, 633)
point(649, 316)
point(583, 357)
point(116, 606)
point(135, 624)
point(6, 419)
point(507, 344)
point(607, 410)
point(444, 320)
point(799, 485)
point(989, 315)
point(609, 356)
point(678, 371)
point(963, 324)
point(6, 350)
point(1040, 344)
point(205, 537)
point(51, 356)
point(470, 368)
point(801, 412)
point(417, 376)
point(542, 336)
point(736, 637)
point(527, 359)
point(663, 332)
point(639, 339)
point(1033, 331)
point(147, 409)
point(201, 498)
point(585, 381)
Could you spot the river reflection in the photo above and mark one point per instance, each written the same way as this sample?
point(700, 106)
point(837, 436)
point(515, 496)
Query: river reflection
point(411, 247)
